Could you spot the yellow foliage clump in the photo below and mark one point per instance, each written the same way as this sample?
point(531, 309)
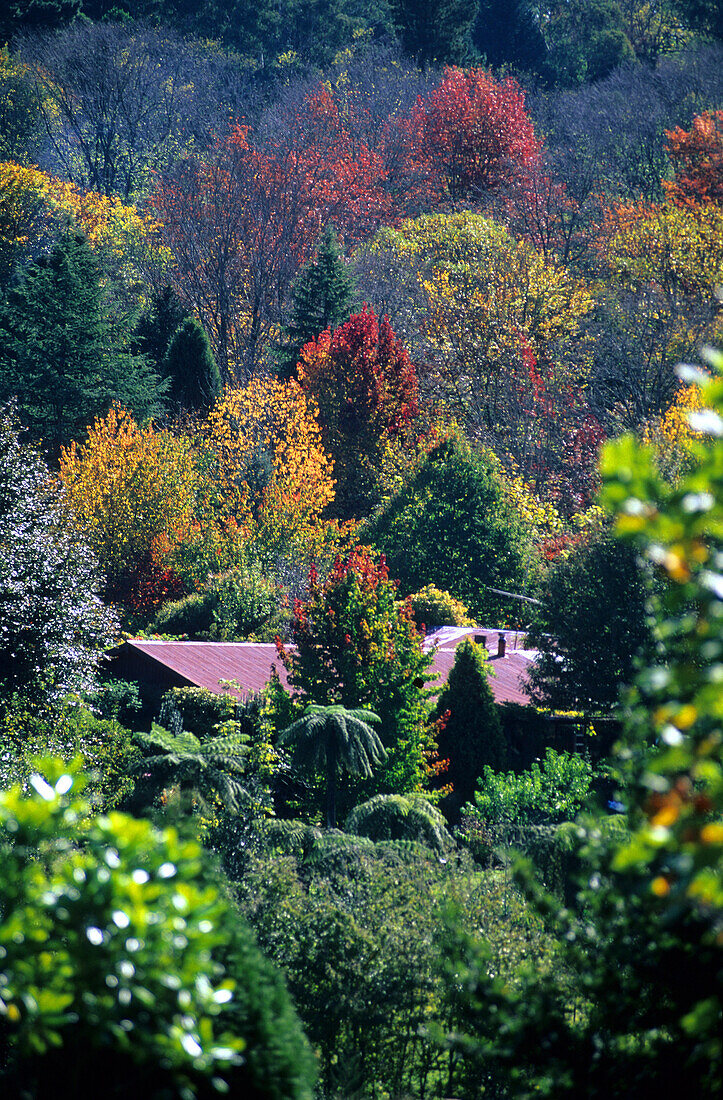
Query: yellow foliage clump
point(127, 488)
point(270, 460)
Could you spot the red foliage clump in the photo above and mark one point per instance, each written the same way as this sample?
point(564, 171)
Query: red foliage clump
point(697, 156)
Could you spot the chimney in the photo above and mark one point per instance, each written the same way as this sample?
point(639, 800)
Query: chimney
point(501, 645)
point(481, 639)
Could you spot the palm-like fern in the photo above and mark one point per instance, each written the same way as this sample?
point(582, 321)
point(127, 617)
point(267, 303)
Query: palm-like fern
point(332, 738)
point(196, 767)
point(401, 817)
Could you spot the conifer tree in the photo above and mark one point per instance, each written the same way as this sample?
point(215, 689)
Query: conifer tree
point(435, 30)
point(472, 735)
point(189, 366)
point(157, 328)
point(61, 355)
point(323, 298)
point(506, 32)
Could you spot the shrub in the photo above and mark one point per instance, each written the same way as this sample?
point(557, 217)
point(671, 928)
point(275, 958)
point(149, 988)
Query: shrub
point(434, 607)
point(191, 615)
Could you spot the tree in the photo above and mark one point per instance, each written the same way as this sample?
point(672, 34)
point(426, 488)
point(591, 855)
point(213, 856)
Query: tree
point(53, 625)
point(702, 15)
point(189, 365)
point(697, 157)
point(642, 942)
point(322, 298)
point(507, 33)
point(199, 768)
point(158, 325)
point(471, 736)
point(475, 131)
point(586, 40)
point(401, 817)
point(134, 493)
point(435, 30)
point(59, 353)
point(452, 526)
point(365, 386)
point(334, 737)
point(590, 629)
point(30, 15)
point(100, 992)
point(356, 646)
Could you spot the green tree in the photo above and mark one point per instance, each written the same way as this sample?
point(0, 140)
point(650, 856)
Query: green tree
point(702, 15)
point(507, 33)
point(401, 817)
point(642, 946)
point(53, 626)
point(435, 31)
point(357, 646)
point(451, 526)
point(590, 628)
point(34, 15)
point(96, 987)
point(157, 327)
point(189, 366)
point(586, 41)
point(322, 298)
point(198, 768)
point(60, 353)
point(333, 738)
point(472, 733)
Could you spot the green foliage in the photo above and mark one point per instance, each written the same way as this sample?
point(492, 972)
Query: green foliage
point(19, 120)
point(471, 737)
point(157, 327)
point(643, 946)
point(432, 607)
point(357, 646)
point(587, 41)
point(193, 377)
point(591, 628)
point(357, 927)
point(60, 353)
point(196, 769)
point(249, 604)
point(192, 615)
point(545, 795)
point(203, 713)
point(507, 33)
point(93, 980)
point(452, 526)
point(52, 623)
point(32, 15)
point(401, 817)
point(435, 31)
point(323, 297)
point(333, 738)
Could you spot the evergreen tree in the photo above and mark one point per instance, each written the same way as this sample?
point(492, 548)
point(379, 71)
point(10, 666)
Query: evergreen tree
point(472, 736)
point(436, 30)
point(506, 32)
point(323, 298)
point(60, 354)
point(157, 327)
point(189, 365)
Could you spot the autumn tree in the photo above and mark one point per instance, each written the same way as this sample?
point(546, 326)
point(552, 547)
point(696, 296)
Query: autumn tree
point(365, 385)
point(267, 457)
point(355, 645)
point(322, 298)
point(131, 492)
point(58, 350)
point(697, 158)
point(475, 129)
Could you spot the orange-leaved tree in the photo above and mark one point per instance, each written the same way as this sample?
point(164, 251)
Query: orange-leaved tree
point(365, 386)
point(697, 157)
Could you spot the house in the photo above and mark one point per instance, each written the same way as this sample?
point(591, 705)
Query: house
point(243, 667)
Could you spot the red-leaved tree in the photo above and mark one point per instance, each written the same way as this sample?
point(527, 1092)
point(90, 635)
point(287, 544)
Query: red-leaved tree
point(697, 157)
point(476, 131)
point(365, 385)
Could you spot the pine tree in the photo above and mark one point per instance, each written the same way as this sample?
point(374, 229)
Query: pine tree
point(60, 354)
point(436, 30)
point(189, 366)
point(323, 298)
point(157, 327)
point(472, 735)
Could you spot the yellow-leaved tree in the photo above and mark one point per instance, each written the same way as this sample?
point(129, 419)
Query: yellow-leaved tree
point(140, 497)
point(268, 458)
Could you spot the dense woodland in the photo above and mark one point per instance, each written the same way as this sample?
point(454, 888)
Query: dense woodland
point(324, 323)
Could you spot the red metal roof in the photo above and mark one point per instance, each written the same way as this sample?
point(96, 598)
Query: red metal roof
point(210, 664)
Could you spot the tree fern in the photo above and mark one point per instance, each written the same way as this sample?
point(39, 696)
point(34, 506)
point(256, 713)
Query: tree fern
point(198, 768)
point(399, 817)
